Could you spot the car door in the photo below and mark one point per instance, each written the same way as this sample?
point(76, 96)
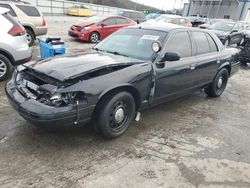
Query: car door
point(108, 26)
point(175, 78)
point(207, 57)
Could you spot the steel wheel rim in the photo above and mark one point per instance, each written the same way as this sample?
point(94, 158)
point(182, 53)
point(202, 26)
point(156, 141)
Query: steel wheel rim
point(221, 84)
point(118, 116)
point(94, 37)
point(3, 68)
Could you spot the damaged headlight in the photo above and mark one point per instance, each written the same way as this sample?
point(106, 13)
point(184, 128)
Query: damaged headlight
point(64, 99)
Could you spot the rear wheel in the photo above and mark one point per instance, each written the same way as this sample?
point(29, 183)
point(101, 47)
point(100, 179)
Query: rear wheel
point(5, 67)
point(94, 37)
point(30, 37)
point(217, 87)
point(114, 114)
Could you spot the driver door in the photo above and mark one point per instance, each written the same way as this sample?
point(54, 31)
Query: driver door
point(175, 78)
point(108, 26)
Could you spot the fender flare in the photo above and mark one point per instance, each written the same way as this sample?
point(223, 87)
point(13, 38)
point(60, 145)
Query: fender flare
point(8, 55)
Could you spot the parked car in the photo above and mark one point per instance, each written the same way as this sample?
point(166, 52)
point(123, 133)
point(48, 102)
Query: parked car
point(197, 21)
point(138, 17)
point(133, 69)
point(97, 28)
point(225, 29)
point(29, 16)
point(170, 18)
point(80, 11)
point(212, 21)
point(152, 16)
point(14, 49)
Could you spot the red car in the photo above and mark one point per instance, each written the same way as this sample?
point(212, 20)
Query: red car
point(97, 28)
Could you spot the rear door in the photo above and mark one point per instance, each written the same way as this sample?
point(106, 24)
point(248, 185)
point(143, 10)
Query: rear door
point(207, 57)
point(175, 78)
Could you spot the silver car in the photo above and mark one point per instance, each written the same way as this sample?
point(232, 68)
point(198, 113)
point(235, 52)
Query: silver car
point(14, 48)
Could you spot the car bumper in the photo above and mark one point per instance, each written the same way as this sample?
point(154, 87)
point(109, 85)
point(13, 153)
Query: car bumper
point(46, 116)
point(41, 30)
point(78, 35)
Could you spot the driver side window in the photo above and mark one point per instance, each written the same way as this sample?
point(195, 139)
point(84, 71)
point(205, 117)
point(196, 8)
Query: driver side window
point(180, 43)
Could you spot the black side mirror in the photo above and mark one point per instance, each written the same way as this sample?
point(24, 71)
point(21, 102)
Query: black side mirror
point(103, 24)
point(171, 56)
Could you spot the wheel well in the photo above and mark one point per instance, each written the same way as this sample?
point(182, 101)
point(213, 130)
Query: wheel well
point(228, 67)
point(6, 54)
point(95, 32)
point(134, 92)
point(30, 28)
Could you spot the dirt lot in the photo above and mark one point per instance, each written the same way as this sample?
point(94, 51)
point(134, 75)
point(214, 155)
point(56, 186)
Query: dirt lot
point(192, 142)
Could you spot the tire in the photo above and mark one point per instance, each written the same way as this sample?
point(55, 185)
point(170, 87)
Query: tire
point(5, 68)
point(114, 114)
point(217, 87)
point(30, 37)
point(94, 37)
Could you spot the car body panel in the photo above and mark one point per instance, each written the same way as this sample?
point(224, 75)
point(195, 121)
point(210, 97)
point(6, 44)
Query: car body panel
point(101, 73)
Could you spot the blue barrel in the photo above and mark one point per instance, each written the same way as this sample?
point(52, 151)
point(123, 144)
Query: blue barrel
point(50, 47)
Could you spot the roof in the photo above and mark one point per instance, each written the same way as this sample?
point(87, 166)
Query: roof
point(159, 26)
point(4, 10)
point(170, 15)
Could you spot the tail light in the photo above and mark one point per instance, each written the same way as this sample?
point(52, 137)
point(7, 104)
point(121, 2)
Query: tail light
point(17, 30)
point(44, 21)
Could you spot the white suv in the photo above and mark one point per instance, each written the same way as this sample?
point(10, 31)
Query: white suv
point(14, 48)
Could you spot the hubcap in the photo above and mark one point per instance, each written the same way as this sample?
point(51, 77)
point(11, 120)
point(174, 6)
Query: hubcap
point(94, 37)
point(220, 82)
point(119, 115)
point(3, 68)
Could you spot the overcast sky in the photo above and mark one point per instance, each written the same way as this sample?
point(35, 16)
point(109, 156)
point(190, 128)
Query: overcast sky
point(163, 4)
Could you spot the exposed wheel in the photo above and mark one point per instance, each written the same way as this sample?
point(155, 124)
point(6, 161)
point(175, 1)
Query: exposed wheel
point(30, 37)
point(217, 87)
point(5, 67)
point(94, 37)
point(114, 114)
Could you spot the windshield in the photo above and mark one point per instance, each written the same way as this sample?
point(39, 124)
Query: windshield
point(94, 19)
point(164, 19)
point(222, 26)
point(134, 43)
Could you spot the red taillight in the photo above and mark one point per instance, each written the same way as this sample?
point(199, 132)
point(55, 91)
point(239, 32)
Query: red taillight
point(17, 30)
point(44, 21)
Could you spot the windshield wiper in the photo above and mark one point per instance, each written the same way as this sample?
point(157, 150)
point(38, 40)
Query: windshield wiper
point(116, 53)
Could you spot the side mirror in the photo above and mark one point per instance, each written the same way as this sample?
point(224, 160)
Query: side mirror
point(103, 25)
point(170, 56)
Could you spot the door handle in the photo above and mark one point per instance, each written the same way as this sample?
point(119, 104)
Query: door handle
point(193, 66)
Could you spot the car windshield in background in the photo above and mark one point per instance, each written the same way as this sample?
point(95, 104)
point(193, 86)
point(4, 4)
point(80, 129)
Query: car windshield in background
point(222, 26)
point(134, 43)
point(94, 19)
point(164, 19)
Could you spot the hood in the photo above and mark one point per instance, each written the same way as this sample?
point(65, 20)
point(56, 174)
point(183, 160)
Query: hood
point(84, 24)
point(220, 33)
point(69, 67)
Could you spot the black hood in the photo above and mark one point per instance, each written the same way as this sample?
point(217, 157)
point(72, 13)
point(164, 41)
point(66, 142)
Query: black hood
point(69, 67)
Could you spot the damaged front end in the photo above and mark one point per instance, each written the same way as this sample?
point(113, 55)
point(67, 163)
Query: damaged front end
point(43, 100)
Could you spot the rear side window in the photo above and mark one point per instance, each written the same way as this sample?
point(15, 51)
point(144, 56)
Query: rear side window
point(201, 41)
point(121, 21)
point(110, 21)
point(29, 10)
point(173, 45)
point(212, 44)
point(11, 12)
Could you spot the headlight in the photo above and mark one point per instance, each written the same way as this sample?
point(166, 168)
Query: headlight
point(65, 99)
point(85, 28)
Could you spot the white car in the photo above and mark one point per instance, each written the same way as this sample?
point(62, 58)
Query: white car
point(14, 48)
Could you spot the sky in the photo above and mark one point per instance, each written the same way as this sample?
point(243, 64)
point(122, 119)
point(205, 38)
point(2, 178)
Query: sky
point(163, 4)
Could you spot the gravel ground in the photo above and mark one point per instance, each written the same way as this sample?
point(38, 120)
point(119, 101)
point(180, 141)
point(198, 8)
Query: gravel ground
point(191, 142)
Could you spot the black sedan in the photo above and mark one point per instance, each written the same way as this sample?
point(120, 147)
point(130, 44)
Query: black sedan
point(225, 29)
point(133, 69)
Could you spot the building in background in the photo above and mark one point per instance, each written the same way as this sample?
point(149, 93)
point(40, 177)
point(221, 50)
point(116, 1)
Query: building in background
point(229, 9)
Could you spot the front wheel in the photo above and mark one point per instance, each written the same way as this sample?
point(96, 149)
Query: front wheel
point(94, 37)
point(217, 87)
point(114, 114)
